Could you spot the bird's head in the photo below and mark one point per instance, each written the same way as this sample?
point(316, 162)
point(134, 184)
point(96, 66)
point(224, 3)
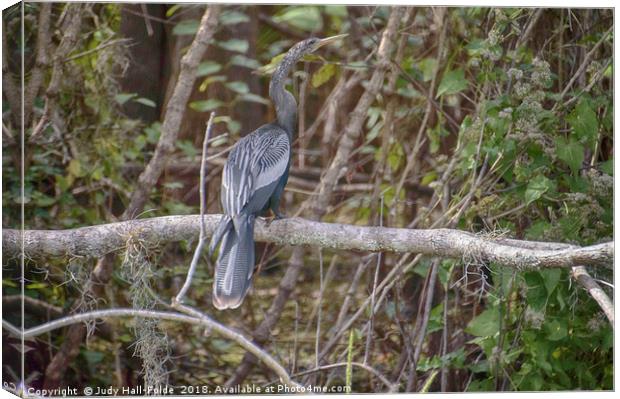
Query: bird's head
point(314, 43)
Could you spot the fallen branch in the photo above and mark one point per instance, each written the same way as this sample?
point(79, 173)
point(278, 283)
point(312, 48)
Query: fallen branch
point(96, 241)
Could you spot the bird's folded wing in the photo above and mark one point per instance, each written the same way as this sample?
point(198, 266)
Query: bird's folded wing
point(271, 165)
point(257, 161)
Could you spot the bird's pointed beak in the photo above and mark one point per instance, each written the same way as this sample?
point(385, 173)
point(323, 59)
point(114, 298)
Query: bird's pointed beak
point(330, 39)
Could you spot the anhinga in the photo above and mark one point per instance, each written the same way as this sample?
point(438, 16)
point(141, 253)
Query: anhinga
point(253, 180)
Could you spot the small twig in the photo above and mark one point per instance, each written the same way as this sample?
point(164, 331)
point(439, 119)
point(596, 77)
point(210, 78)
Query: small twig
point(100, 47)
point(392, 387)
point(580, 274)
point(373, 295)
point(422, 322)
point(318, 314)
point(584, 64)
point(11, 329)
point(147, 20)
point(203, 230)
point(587, 89)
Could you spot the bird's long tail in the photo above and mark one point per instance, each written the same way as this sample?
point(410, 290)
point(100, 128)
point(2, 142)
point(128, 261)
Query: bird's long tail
point(235, 262)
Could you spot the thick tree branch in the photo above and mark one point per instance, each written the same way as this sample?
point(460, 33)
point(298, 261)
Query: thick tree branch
point(96, 241)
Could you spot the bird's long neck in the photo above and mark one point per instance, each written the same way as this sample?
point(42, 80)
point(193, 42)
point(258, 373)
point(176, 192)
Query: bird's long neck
point(284, 101)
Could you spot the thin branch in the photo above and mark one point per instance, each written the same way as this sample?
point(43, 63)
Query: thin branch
point(585, 63)
point(392, 387)
point(100, 47)
point(202, 237)
point(32, 305)
point(195, 318)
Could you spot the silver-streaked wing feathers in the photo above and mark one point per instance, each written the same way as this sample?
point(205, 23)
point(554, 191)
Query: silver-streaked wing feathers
point(257, 160)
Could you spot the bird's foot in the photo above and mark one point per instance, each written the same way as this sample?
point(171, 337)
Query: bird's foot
point(279, 215)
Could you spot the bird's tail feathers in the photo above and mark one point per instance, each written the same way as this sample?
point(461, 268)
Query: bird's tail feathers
point(235, 264)
point(223, 226)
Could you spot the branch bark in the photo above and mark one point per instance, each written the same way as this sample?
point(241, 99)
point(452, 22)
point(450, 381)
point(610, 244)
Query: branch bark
point(97, 241)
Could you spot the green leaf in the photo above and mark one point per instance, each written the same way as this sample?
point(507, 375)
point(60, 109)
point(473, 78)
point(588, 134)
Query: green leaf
point(187, 27)
point(396, 156)
point(170, 12)
point(323, 75)
point(336, 10)
point(215, 78)
point(93, 357)
point(243, 61)
point(122, 98)
point(238, 87)
point(254, 98)
point(429, 178)
point(207, 67)
point(146, 101)
point(551, 278)
point(75, 168)
point(205, 105)
point(486, 324)
point(584, 123)
point(570, 152)
point(233, 17)
point(187, 147)
point(427, 66)
point(307, 18)
point(452, 82)
point(36, 286)
point(556, 330)
point(44, 201)
point(536, 188)
point(536, 290)
point(608, 167)
point(236, 45)
point(271, 67)
point(153, 132)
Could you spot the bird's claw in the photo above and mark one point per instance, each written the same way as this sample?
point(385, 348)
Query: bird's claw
point(279, 215)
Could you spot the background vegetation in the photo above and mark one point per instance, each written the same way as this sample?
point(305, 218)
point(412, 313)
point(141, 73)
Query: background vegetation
point(495, 121)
